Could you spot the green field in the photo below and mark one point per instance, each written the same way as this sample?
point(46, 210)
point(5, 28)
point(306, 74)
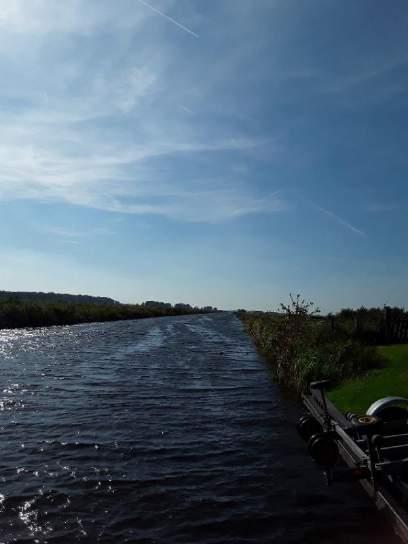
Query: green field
point(357, 394)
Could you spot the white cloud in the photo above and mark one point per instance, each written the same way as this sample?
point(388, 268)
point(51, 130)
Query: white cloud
point(140, 81)
point(91, 115)
point(72, 234)
point(108, 178)
point(73, 16)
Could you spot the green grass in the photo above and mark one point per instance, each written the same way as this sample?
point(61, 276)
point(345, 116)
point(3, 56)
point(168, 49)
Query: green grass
point(357, 394)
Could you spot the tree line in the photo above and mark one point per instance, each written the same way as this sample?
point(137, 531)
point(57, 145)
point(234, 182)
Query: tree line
point(19, 310)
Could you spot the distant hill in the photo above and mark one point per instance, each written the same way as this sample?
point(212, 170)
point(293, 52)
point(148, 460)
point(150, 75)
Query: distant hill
point(34, 296)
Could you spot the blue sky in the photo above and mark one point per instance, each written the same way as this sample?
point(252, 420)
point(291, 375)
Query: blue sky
point(222, 152)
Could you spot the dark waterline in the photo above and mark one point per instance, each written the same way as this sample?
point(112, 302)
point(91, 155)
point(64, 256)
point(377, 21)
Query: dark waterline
point(166, 430)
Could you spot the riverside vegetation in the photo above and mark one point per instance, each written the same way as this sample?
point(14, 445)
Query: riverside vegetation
point(302, 347)
point(19, 310)
point(357, 394)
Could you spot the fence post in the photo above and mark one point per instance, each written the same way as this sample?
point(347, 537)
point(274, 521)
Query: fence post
point(356, 325)
point(387, 323)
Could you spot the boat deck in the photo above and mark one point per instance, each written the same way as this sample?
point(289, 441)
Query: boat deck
point(375, 452)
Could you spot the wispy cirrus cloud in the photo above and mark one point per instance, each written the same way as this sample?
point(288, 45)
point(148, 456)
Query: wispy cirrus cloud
point(39, 17)
point(118, 179)
point(96, 126)
point(382, 207)
point(73, 234)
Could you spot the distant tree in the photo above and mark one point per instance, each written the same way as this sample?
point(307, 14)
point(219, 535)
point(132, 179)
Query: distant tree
point(156, 304)
point(299, 307)
point(183, 306)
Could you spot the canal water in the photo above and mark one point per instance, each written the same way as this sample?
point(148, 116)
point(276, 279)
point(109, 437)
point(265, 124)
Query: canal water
point(165, 431)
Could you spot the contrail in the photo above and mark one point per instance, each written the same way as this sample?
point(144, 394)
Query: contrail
point(333, 215)
point(342, 222)
point(168, 18)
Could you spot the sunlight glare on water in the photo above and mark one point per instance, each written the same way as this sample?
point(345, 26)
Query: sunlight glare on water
point(158, 431)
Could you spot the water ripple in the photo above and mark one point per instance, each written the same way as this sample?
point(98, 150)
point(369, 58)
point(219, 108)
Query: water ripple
point(157, 431)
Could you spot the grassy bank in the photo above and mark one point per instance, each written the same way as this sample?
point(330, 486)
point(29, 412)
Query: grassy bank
point(18, 314)
point(357, 394)
point(302, 347)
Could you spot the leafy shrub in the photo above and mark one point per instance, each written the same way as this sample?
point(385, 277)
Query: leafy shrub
point(303, 348)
